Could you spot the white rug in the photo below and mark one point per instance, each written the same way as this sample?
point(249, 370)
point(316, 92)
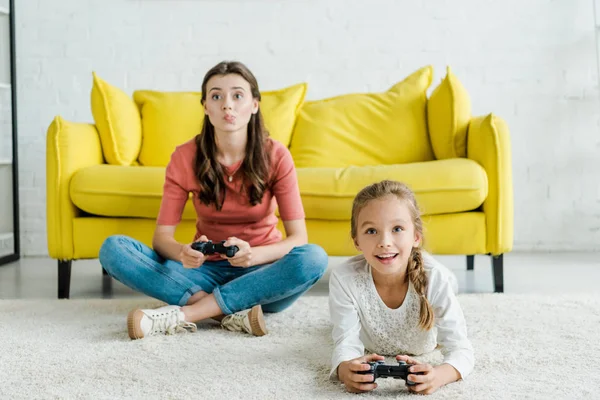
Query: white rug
point(531, 347)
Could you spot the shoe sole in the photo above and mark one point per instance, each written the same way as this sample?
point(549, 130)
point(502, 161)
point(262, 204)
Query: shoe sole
point(133, 324)
point(257, 321)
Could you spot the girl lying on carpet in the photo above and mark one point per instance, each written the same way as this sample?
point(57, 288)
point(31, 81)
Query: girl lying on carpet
point(394, 299)
point(233, 170)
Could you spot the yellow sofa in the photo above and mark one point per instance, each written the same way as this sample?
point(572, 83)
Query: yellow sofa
point(106, 178)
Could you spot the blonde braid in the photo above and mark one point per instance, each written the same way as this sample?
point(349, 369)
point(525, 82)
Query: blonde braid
point(418, 277)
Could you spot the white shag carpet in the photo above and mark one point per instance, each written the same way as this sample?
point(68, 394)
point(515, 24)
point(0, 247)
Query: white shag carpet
point(527, 346)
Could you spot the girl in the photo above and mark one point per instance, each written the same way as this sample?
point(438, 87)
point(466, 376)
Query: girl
point(237, 175)
point(394, 299)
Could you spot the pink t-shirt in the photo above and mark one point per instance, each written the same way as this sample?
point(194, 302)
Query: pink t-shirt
point(257, 224)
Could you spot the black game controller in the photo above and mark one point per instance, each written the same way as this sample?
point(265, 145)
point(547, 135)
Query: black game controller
point(380, 370)
point(211, 248)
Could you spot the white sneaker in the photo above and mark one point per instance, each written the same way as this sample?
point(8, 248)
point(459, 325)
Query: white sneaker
point(250, 321)
point(165, 320)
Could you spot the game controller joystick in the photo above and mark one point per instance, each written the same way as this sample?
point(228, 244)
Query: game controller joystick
point(380, 370)
point(209, 247)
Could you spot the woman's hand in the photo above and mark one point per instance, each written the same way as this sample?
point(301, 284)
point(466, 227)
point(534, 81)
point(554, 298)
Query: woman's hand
point(354, 382)
point(426, 382)
point(243, 257)
point(191, 258)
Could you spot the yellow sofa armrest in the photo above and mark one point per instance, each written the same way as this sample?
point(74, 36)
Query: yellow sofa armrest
point(488, 143)
point(69, 147)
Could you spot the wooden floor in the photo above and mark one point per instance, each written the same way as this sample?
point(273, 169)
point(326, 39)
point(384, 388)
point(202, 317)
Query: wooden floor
point(523, 273)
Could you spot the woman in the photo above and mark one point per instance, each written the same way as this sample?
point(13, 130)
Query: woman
point(238, 176)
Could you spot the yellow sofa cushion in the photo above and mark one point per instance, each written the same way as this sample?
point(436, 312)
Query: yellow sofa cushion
point(116, 191)
point(366, 128)
point(168, 120)
point(118, 122)
point(172, 118)
point(448, 114)
point(445, 186)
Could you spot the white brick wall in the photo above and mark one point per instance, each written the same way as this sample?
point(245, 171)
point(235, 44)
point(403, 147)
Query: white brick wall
point(533, 63)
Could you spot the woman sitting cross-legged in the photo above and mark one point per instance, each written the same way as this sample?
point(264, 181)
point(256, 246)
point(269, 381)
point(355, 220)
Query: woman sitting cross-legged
point(237, 175)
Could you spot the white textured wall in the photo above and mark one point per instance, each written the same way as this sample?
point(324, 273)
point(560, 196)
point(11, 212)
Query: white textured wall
point(532, 62)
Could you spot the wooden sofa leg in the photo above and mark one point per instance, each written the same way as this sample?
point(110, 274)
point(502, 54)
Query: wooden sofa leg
point(64, 278)
point(470, 263)
point(497, 265)
point(104, 272)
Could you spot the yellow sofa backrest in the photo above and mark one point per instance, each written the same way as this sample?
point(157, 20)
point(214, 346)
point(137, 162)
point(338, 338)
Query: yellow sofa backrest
point(366, 129)
point(170, 119)
point(146, 129)
point(397, 126)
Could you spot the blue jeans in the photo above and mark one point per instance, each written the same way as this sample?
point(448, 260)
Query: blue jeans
point(275, 286)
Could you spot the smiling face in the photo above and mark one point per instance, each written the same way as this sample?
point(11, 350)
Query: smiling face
point(386, 234)
point(229, 102)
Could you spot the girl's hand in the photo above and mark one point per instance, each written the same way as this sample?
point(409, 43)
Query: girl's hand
point(425, 383)
point(191, 258)
point(354, 382)
point(243, 257)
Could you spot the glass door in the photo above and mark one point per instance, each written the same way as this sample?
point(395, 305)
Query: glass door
point(9, 204)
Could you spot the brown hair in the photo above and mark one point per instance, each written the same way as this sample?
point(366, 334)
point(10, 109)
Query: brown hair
point(255, 166)
point(415, 270)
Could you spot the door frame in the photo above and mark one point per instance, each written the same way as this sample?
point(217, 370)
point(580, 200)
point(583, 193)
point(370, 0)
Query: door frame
point(15, 153)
